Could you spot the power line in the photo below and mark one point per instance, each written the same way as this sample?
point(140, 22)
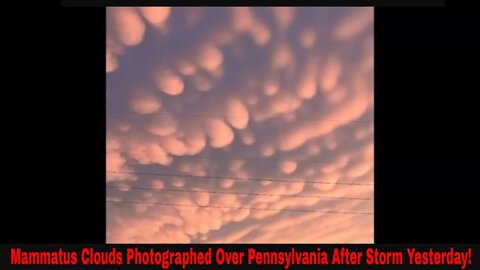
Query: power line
point(242, 208)
point(232, 116)
point(259, 158)
point(241, 178)
point(243, 193)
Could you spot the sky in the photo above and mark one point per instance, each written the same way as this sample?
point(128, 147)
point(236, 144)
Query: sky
point(239, 125)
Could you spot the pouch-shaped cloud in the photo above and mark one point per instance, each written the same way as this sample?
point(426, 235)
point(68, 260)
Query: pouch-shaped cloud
point(237, 113)
point(148, 153)
point(284, 16)
point(144, 102)
point(116, 162)
point(219, 132)
point(163, 125)
point(129, 26)
point(307, 84)
point(245, 21)
point(330, 75)
point(352, 25)
point(169, 83)
point(157, 16)
point(111, 61)
point(210, 58)
point(288, 167)
point(239, 125)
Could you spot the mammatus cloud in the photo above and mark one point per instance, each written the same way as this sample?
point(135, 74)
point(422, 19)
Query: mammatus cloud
point(239, 125)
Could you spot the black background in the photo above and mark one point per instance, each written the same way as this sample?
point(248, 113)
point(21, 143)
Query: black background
point(426, 119)
point(426, 138)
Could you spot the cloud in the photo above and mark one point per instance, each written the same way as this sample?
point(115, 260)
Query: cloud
point(157, 16)
point(288, 167)
point(163, 125)
point(307, 85)
point(330, 75)
point(169, 83)
point(284, 16)
point(237, 113)
point(129, 26)
point(116, 162)
point(245, 21)
point(219, 132)
point(144, 102)
point(223, 123)
point(307, 37)
point(111, 62)
point(210, 58)
point(354, 24)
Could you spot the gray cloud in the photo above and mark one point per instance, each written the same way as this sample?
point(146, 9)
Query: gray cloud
point(245, 95)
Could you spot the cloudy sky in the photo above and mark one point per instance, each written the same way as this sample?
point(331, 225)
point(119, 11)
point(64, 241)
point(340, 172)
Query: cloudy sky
point(237, 125)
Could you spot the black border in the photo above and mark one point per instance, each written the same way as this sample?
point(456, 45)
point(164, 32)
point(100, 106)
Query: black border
point(54, 182)
point(83, 77)
point(425, 143)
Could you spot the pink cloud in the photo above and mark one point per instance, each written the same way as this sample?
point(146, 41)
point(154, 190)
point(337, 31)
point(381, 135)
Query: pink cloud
point(275, 103)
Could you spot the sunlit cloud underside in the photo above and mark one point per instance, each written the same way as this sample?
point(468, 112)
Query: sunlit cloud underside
point(238, 125)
